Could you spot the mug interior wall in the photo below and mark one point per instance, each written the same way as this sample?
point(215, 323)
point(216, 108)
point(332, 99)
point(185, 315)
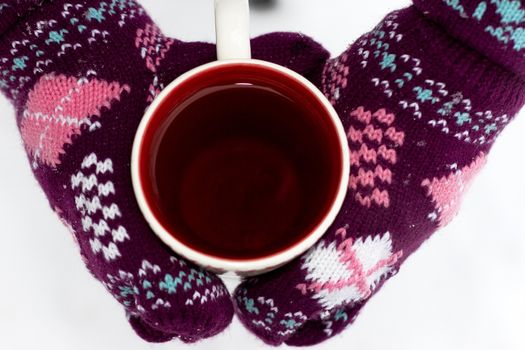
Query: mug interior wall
point(240, 74)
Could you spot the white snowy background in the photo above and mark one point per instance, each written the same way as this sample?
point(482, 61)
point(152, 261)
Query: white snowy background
point(464, 289)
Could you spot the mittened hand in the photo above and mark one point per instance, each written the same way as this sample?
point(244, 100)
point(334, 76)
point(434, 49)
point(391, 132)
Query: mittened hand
point(422, 97)
point(81, 74)
point(422, 104)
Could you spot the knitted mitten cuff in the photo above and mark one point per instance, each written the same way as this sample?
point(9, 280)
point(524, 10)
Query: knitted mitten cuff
point(492, 27)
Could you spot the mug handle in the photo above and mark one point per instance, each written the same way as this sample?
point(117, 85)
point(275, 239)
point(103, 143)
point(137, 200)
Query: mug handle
point(232, 26)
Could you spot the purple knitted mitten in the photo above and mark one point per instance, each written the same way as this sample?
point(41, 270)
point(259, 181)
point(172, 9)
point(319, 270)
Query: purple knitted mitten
point(423, 97)
point(80, 75)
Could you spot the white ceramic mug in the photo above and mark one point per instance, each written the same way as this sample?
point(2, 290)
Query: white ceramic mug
point(233, 51)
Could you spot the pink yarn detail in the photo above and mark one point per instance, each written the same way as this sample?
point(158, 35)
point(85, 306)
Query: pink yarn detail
point(381, 198)
point(335, 78)
point(303, 288)
point(373, 143)
point(370, 132)
point(341, 232)
point(362, 115)
point(385, 118)
point(395, 136)
point(367, 154)
point(388, 154)
point(154, 91)
point(153, 44)
point(370, 155)
point(367, 177)
point(447, 192)
point(56, 110)
point(353, 264)
point(358, 276)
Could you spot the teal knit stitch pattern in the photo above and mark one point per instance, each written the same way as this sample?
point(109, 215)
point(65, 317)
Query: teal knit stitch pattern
point(402, 74)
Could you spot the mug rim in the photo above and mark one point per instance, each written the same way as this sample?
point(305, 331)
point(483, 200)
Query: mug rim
point(253, 264)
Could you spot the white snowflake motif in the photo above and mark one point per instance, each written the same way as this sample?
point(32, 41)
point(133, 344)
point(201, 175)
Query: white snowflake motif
point(348, 272)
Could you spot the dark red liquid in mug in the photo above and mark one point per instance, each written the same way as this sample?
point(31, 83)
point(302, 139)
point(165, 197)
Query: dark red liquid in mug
point(242, 163)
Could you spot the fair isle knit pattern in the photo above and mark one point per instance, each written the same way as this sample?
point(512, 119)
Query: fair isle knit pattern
point(77, 112)
point(447, 191)
point(80, 75)
point(58, 108)
point(94, 193)
point(348, 272)
point(375, 142)
point(153, 47)
point(423, 98)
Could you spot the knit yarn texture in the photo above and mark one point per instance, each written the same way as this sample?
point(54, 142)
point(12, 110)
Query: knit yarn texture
point(422, 97)
point(81, 75)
